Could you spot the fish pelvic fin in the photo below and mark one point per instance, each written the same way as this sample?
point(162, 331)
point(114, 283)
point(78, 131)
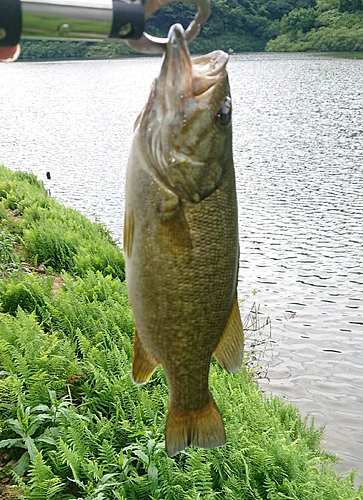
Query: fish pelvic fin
point(229, 351)
point(143, 362)
point(202, 427)
point(129, 224)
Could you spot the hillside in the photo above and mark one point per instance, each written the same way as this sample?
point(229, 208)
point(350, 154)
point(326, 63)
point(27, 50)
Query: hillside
point(332, 25)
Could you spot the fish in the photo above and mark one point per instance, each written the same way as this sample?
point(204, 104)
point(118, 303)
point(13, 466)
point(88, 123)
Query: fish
point(181, 240)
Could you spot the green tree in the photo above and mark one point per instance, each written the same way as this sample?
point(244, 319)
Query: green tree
point(350, 5)
point(298, 20)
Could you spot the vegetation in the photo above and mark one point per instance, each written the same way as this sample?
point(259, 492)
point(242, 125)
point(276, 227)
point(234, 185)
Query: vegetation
point(53, 235)
point(40, 50)
point(73, 425)
point(332, 25)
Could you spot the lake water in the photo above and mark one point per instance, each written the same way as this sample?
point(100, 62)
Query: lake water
point(298, 149)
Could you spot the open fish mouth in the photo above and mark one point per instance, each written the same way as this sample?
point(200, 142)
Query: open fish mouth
point(182, 135)
point(182, 76)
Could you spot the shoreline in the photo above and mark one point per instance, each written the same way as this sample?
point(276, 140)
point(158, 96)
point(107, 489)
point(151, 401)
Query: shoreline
point(340, 54)
point(135, 55)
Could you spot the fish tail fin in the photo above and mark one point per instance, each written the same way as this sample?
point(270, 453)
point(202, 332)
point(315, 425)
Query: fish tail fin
point(202, 427)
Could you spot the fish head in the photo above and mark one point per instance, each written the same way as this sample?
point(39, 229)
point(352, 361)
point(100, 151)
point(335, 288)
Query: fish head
point(186, 125)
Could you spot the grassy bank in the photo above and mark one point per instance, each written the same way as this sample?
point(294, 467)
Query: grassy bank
point(72, 424)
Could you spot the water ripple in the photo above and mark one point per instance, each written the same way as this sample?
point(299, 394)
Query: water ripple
point(299, 176)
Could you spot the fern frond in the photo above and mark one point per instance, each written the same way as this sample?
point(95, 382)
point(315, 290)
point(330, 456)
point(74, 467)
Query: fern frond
point(71, 458)
point(107, 454)
point(43, 483)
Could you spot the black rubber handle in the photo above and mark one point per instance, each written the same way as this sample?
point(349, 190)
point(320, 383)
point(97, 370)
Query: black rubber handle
point(10, 22)
point(128, 20)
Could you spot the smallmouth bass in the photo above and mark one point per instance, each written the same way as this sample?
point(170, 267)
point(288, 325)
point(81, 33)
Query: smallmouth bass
point(181, 240)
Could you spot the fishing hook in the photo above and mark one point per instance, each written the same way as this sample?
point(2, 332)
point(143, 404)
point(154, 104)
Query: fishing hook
point(149, 44)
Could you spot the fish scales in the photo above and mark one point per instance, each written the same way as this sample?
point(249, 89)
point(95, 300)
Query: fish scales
point(181, 242)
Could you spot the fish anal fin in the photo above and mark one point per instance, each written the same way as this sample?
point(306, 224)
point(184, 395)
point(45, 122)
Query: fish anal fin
point(229, 351)
point(202, 427)
point(143, 362)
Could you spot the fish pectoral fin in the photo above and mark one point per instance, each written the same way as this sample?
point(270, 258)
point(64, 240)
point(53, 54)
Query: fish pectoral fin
point(202, 427)
point(143, 362)
point(229, 351)
point(172, 216)
point(179, 231)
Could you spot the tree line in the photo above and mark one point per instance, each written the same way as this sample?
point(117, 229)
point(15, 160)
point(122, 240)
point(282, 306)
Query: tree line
point(239, 25)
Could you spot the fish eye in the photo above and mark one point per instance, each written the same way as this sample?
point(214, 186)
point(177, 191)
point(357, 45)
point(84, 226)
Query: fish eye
point(224, 114)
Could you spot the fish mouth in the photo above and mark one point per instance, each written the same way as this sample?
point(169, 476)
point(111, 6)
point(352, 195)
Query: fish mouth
point(176, 71)
point(180, 119)
point(181, 76)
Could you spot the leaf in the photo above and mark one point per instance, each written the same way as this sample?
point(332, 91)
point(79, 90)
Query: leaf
point(153, 477)
point(100, 496)
point(78, 482)
point(142, 456)
point(52, 395)
point(16, 442)
point(16, 427)
point(47, 439)
point(41, 408)
point(41, 417)
point(66, 413)
point(54, 431)
point(64, 403)
point(34, 426)
point(32, 449)
point(102, 487)
point(81, 417)
point(150, 445)
point(23, 464)
point(71, 458)
point(106, 477)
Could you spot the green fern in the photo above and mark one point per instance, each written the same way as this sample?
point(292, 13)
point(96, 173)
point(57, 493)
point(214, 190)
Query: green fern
point(40, 360)
point(27, 292)
point(43, 483)
point(71, 458)
point(107, 454)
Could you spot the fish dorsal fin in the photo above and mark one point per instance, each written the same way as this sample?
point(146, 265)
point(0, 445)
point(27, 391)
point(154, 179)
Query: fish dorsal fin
point(229, 351)
point(143, 362)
